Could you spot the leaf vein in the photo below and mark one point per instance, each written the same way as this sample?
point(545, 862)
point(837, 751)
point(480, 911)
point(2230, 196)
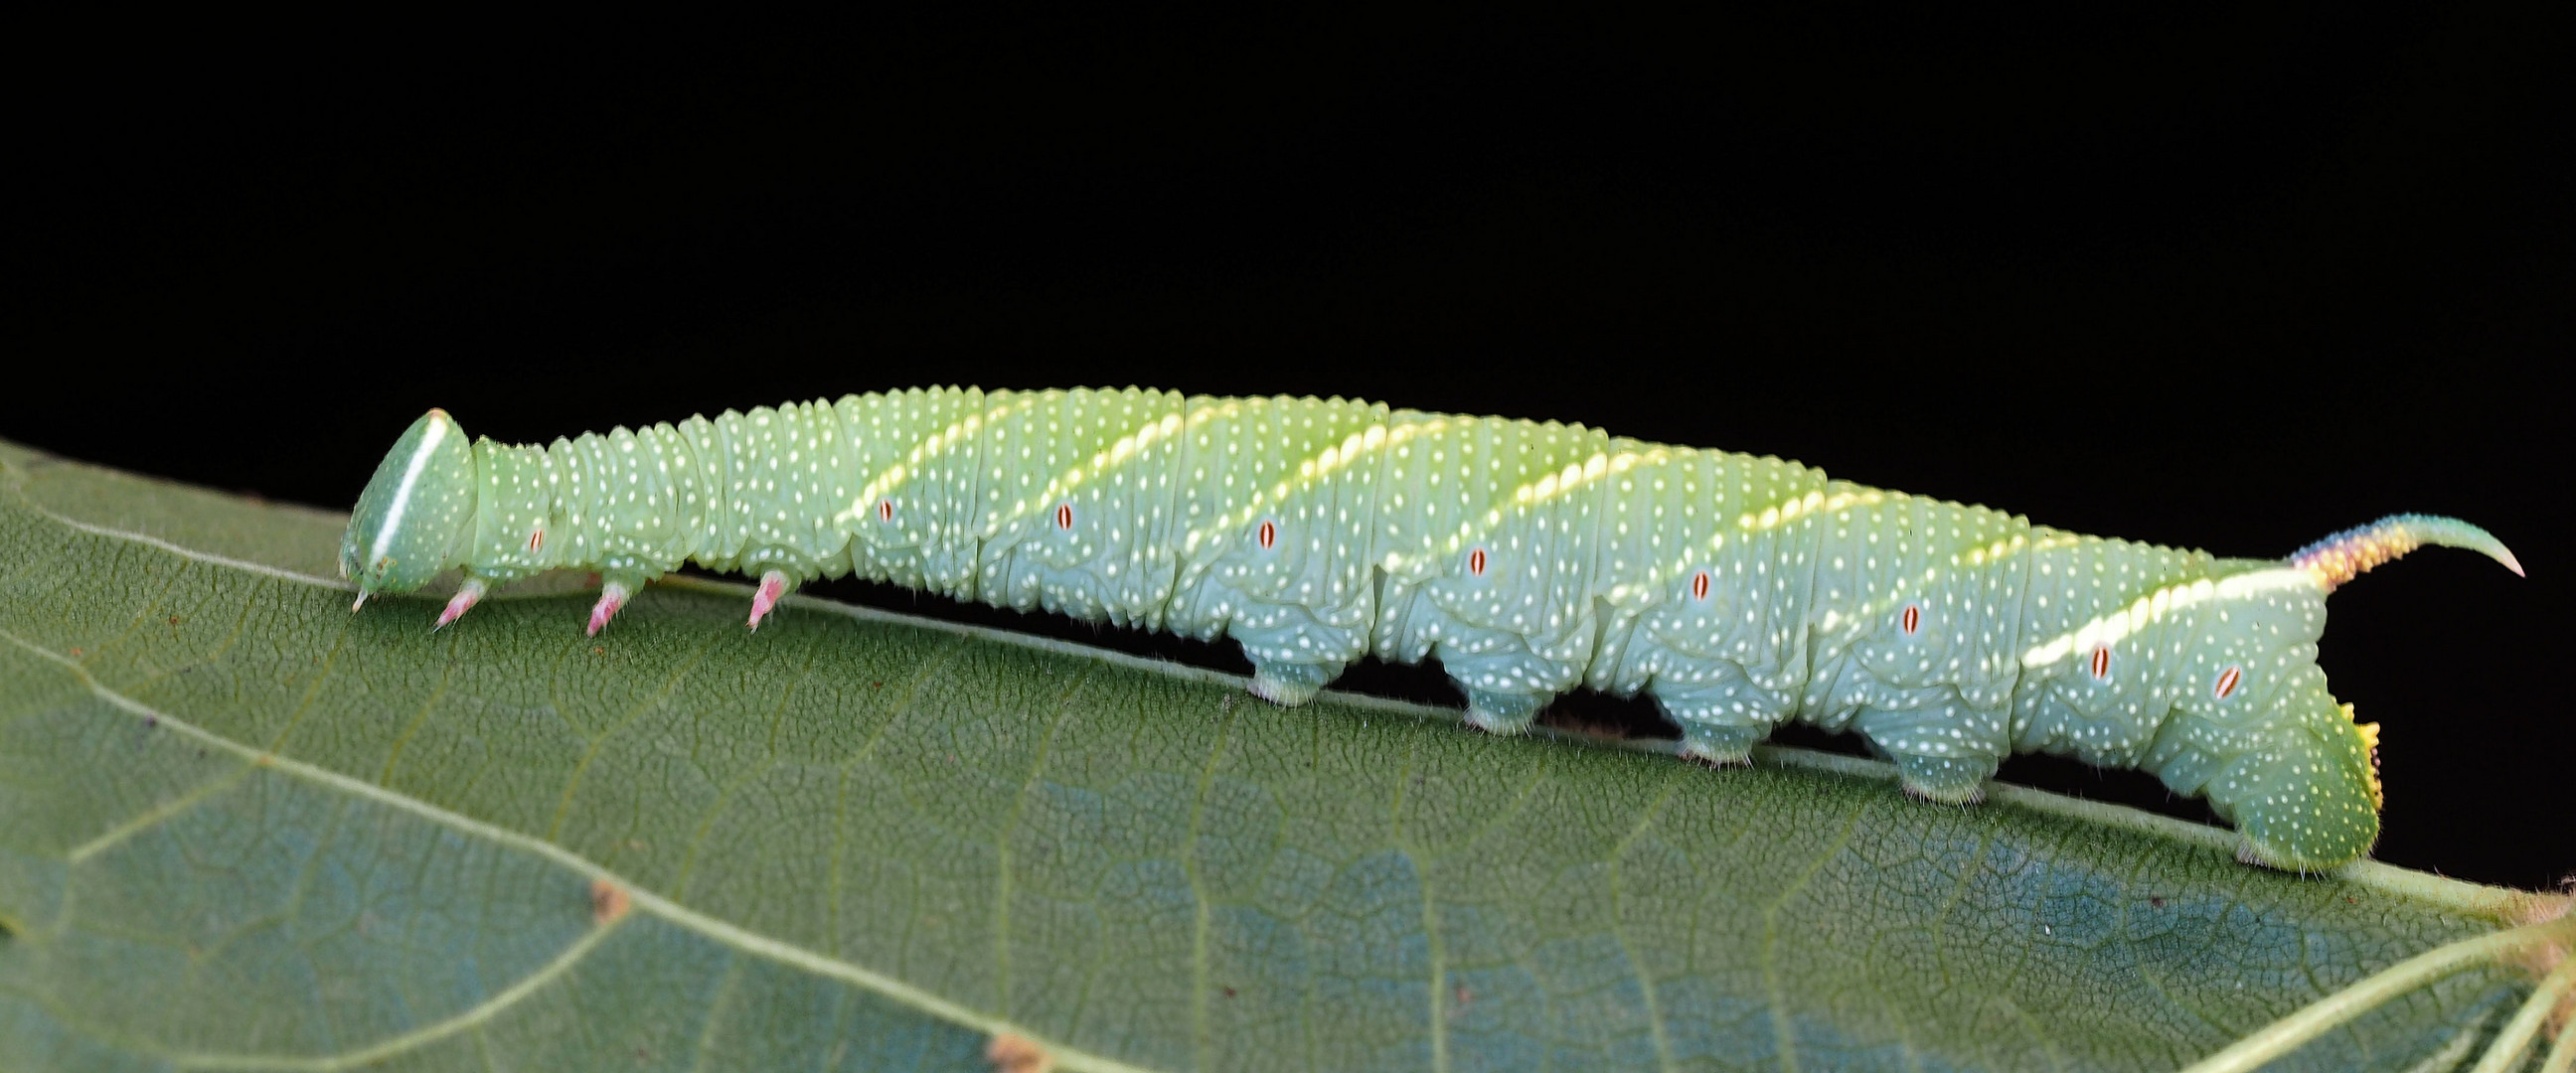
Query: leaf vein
point(156, 815)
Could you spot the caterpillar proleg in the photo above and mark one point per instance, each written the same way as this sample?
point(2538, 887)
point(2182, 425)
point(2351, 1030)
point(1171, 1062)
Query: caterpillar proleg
point(1528, 558)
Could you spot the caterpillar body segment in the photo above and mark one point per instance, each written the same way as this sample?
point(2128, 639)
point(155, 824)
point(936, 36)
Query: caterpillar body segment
point(1528, 558)
point(1276, 508)
point(1487, 532)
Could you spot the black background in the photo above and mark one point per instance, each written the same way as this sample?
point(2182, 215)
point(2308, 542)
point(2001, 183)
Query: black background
point(2231, 281)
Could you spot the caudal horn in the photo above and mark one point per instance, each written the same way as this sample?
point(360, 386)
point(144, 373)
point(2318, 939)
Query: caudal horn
point(2351, 553)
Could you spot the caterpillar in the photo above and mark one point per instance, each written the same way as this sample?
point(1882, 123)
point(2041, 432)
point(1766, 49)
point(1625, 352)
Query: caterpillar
point(1528, 558)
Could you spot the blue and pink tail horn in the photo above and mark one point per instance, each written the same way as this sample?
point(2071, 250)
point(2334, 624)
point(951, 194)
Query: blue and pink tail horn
point(2351, 553)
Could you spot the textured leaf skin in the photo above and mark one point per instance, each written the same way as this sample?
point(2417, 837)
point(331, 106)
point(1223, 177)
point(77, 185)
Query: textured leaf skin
point(242, 828)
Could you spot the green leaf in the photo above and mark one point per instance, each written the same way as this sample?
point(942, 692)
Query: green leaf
point(243, 828)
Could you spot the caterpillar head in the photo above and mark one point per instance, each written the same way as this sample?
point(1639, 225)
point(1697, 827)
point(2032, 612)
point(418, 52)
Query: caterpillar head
point(416, 511)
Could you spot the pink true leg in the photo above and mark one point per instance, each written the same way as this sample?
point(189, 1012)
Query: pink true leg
point(773, 588)
point(611, 597)
point(467, 595)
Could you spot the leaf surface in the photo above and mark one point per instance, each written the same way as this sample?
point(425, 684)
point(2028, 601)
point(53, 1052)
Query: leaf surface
point(242, 828)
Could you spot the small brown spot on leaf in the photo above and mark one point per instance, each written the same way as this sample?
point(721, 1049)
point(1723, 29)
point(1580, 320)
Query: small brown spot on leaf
point(174, 620)
point(1017, 1054)
point(2157, 902)
point(76, 653)
point(1229, 992)
point(598, 651)
point(608, 902)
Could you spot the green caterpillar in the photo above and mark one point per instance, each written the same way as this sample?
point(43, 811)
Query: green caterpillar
point(1528, 558)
